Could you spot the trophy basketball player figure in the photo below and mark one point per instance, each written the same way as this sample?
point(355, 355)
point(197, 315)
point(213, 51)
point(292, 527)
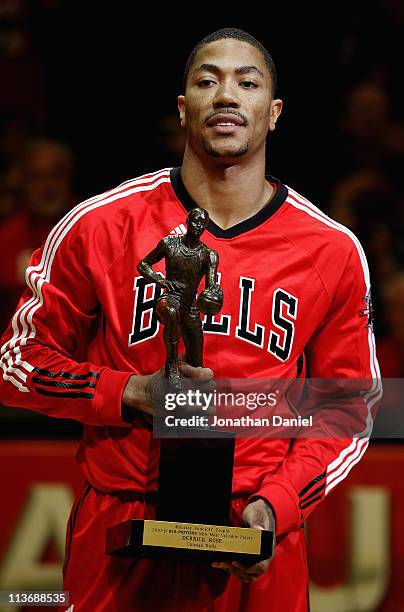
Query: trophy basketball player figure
point(187, 261)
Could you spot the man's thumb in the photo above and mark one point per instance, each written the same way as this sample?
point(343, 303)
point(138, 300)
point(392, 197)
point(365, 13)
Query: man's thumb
point(190, 372)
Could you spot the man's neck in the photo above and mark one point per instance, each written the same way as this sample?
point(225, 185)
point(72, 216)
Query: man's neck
point(230, 194)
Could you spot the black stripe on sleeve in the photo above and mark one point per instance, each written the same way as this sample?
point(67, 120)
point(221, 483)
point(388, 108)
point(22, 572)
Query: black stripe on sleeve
point(312, 483)
point(62, 385)
point(303, 506)
point(72, 395)
point(67, 375)
point(320, 488)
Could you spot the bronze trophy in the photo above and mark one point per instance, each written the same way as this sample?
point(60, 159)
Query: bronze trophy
point(191, 517)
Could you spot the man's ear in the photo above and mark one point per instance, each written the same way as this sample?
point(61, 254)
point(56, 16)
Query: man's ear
point(181, 108)
point(276, 109)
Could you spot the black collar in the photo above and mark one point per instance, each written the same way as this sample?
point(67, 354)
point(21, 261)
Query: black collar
point(265, 213)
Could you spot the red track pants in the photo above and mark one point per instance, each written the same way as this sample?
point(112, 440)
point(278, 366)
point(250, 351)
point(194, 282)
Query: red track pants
point(98, 582)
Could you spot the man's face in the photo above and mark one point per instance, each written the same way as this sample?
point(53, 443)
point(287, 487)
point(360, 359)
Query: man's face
point(197, 224)
point(228, 109)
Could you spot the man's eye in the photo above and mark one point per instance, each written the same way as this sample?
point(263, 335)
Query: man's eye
point(249, 84)
point(205, 82)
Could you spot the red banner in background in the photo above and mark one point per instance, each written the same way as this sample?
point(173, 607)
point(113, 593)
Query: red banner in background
point(38, 481)
point(355, 539)
point(28, 463)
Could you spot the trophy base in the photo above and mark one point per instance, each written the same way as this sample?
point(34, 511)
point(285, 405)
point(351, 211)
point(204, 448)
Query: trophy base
point(150, 539)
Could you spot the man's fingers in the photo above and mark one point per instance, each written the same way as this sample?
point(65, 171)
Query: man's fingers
point(190, 372)
point(254, 570)
point(259, 515)
point(256, 518)
point(204, 385)
point(234, 571)
point(242, 573)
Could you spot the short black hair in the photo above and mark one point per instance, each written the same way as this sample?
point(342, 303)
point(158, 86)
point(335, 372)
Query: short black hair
point(237, 35)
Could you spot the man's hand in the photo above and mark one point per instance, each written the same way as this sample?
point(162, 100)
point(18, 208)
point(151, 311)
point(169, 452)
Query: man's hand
point(140, 390)
point(259, 515)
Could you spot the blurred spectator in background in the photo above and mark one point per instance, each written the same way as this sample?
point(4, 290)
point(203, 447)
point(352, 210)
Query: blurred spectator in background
point(369, 137)
point(171, 141)
point(21, 74)
point(10, 188)
point(366, 125)
point(46, 194)
point(367, 197)
point(390, 348)
point(15, 133)
point(365, 202)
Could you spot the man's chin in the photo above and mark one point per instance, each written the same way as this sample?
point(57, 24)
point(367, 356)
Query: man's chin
point(225, 152)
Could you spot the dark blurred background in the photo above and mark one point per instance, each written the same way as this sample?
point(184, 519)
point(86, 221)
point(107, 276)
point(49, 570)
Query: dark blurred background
point(88, 99)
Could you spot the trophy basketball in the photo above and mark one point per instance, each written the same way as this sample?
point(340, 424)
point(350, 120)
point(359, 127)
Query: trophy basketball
point(191, 515)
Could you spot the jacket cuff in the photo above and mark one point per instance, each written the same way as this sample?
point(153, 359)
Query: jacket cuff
point(108, 397)
point(280, 494)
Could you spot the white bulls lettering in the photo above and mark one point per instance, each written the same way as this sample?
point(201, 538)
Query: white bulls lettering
point(281, 313)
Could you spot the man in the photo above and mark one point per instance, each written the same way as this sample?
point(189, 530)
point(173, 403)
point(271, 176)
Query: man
point(82, 345)
point(46, 194)
point(187, 261)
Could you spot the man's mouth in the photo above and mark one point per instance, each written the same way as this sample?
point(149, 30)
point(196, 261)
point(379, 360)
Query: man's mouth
point(226, 120)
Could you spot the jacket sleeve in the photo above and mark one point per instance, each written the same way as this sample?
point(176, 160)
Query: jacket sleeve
point(43, 363)
point(342, 347)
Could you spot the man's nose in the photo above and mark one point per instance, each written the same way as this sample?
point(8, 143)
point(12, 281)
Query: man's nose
point(226, 95)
